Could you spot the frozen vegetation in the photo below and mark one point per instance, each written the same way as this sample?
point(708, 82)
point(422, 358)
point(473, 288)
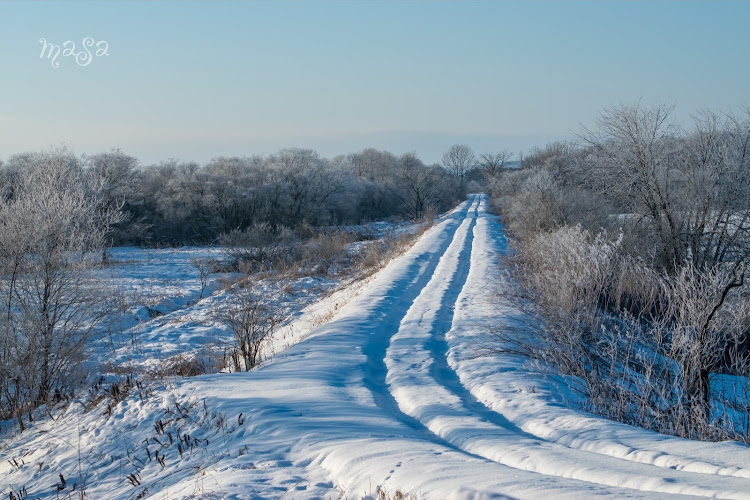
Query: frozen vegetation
point(633, 248)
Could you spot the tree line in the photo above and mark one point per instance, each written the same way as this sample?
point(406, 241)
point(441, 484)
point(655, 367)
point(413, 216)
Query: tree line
point(60, 212)
point(178, 203)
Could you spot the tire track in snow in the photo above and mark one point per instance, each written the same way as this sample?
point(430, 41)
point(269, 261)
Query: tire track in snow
point(437, 344)
point(375, 370)
point(427, 389)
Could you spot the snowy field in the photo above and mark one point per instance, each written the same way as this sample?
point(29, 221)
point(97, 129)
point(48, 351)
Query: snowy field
point(376, 386)
point(162, 314)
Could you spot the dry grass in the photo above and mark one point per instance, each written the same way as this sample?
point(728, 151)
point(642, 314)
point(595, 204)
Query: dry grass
point(377, 254)
point(641, 344)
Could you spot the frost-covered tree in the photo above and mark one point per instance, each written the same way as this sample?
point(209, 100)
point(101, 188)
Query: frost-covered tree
point(691, 189)
point(303, 187)
point(678, 203)
point(459, 159)
point(419, 188)
point(252, 320)
point(52, 230)
point(492, 164)
point(115, 170)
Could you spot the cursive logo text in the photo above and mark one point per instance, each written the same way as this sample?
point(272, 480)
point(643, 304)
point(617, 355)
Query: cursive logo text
point(90, 48)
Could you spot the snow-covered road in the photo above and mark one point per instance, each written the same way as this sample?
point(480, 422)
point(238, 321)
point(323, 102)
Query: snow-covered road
point(388, 393)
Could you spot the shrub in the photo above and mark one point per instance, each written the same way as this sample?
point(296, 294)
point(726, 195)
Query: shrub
point(640, 344)
point(252, 320)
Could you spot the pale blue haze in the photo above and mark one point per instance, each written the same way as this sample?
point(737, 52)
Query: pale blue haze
point(194, 80)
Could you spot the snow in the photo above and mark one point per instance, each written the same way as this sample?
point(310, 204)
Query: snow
point(379, 384)
point(162, 316)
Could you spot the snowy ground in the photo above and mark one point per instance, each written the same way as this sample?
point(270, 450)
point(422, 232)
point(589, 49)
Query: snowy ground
point(387, 393)
point(163, 316)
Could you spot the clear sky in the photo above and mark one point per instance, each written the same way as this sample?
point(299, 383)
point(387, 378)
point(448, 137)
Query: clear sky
point(194, 80)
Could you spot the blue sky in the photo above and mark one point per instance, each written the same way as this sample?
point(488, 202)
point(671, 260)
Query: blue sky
point(193, 80)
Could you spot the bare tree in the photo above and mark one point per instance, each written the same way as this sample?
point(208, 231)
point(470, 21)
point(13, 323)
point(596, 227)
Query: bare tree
point(492, 164)
point(691, 190)
point(252, 321)
point(372, 164)
point(459, 159)
point(635, 162)
point(205, 267)
point(51, 231)
point(417, 187)
point(115, 170)
point(303, 187)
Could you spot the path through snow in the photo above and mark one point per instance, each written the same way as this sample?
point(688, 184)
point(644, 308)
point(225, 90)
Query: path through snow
point(390, 393)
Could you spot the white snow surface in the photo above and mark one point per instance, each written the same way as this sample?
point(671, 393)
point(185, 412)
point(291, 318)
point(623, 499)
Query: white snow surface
point(389, 392)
